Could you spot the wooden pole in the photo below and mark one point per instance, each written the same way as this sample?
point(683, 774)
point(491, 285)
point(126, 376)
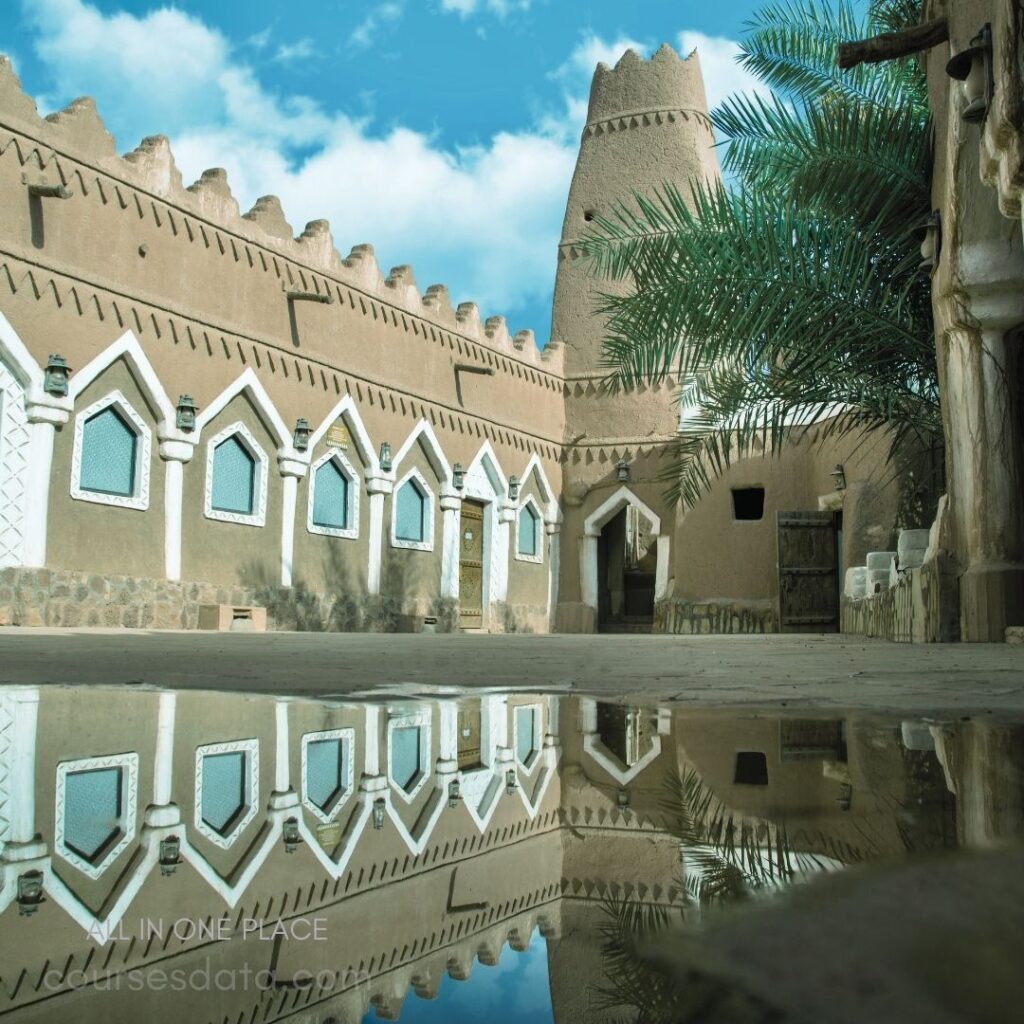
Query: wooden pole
point(893, 45)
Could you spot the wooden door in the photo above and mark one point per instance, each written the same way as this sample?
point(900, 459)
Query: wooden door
point(808, 581)
point(469, 735)
point(471, 566)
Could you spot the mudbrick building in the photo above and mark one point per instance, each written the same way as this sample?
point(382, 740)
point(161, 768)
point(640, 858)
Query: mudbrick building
point(205, 416)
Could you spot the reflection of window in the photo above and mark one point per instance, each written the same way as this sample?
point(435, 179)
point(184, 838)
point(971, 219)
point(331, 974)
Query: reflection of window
point(236, 477)
point(624, 731)
point(111, 455)
point(95, 810)
point(226, 782)
point(408, 752)
point(751, 768)
point(333, 497)
point(412, 522)
point(527, 733)
point(326, 771)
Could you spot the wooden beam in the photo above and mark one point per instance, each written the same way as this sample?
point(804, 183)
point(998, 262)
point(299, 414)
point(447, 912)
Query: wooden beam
point(893, 45)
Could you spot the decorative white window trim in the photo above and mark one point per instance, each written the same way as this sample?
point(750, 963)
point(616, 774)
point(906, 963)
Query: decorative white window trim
point(348, 740)
point(139, 499)
point(259, 514)
point(129, 765)
point(537, 559)
point(355, 485)
point(252, 762)
point(427, 544)
point(421, 720)
point(536, 740)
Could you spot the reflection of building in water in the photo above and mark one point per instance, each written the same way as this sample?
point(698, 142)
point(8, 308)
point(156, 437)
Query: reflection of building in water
point(423, 833)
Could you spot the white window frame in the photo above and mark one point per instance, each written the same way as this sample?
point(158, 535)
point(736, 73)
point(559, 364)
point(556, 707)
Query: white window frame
point(349, 532)
point(537, 738)
point(252, 749)
point(421, 720)
point(259, 513)
point(139, 499)
point(538, 558)
point(427, 544)
point(129, 765)
point(346, 737)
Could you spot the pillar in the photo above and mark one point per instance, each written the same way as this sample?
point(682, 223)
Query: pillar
point(451, 506)
point(175, 454)
point(377, 488)
point(45, 414)
point(164, 812)
point(292, 470)
point(23, 709)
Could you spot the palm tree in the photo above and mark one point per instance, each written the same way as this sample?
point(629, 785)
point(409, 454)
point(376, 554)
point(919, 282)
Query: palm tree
point(792, 294)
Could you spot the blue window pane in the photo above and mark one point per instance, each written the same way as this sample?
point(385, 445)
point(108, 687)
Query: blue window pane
point(330, 497)
point(92, 810)
point(525, 725)
point(224, 788)
point(325, 771)
point(411, 512)
point(234, 478)
point(108, 454)
point(528, 523)
point(405, 755)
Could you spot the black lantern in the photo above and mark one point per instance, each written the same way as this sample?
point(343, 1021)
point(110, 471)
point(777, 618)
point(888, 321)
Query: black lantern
point(839, 477)
point(170, 855)
point(378, 812)
point(55, 378)
point(513, 488)
point(454, 793)
point(385, 456)
point(510, 781)
point(300, 439)
point(185, 414)
point(622, 471)
point(458, 476)
point(973, 67)
point(622, 799)
point(290, 833)
point(29, 893)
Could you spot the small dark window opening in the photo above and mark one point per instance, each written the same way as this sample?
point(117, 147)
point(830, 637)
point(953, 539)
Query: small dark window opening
point(751, 768)
point(589, 215)
point(748, 503)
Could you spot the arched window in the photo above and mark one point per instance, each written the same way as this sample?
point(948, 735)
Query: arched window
point(333, 497)
point(110, 461)
point(529, 544)
point(236, 477)
point(413, 518)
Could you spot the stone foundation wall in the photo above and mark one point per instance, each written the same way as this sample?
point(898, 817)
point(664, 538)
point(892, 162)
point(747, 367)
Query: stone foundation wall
point(58, 597)
point(679, 616)
point(923, 607)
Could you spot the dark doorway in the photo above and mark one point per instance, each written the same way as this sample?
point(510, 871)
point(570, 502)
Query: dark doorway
point(626, 567)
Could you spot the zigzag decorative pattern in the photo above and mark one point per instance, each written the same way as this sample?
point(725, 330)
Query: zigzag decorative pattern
point(14, 444)
point(6, 725)
point(643, 119)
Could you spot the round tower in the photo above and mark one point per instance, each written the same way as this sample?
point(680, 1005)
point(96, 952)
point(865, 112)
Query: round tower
point(646, 125)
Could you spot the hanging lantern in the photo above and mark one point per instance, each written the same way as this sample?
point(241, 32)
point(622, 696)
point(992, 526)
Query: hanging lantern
point(185, 414)
point(378, 812)
point(300, 439)
point(292, 837)
point(931, 240)
point(510, 781)
point(622, 471)
point(170, 855)
point(29, 893)
point(454, 793)
point(513, 488)
point(55, 377)
point(458, 476)
point(973, 67)
point(839, 477)
point(385, 456)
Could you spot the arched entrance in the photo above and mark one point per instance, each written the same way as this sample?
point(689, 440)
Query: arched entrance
point(624, 567)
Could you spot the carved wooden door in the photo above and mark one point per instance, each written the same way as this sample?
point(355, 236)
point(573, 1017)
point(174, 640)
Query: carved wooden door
point(808, 583)
point(471, 566)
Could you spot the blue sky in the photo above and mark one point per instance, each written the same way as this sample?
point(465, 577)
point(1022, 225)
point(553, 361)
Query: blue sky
point(443, 132)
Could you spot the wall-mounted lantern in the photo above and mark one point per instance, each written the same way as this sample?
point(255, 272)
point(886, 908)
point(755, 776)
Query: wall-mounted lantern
point(454, 793)
point(930, 233)
point(458, 476)
point(300, 439)
point(510, 781)
point(185, 413)
point(513, 488)
point(623, 799)
point(385, 456)
point(170, 855)
point(55, 378)
point(291, 835)
point(622, 471)
point(973, 67)
point(378, 812)
point(839, 477)
point(29, 893)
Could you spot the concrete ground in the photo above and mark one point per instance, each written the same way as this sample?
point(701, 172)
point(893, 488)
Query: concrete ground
point(731, 671)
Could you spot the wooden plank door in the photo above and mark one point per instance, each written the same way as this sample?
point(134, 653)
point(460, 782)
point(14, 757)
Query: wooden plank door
point(471, 565)
point(808, 580)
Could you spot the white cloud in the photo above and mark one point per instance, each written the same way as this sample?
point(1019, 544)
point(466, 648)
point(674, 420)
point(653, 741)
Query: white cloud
point(301, 50)
point(484, 220)
point(723, 76)
point(464, 8)
point(364, 33)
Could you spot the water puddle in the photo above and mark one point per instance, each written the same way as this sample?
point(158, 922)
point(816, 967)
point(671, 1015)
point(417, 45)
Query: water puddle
point(481, 855)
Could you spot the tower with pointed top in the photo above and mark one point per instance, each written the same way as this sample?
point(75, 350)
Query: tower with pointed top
point(647, 124)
